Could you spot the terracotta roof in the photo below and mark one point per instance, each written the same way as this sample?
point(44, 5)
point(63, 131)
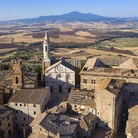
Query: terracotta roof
point(111, 62)
point(88, 120)
point(80, 97)
point(128, 64)
point(29, 95)
point(112, 85)
point(117, 72)
point(103, 62)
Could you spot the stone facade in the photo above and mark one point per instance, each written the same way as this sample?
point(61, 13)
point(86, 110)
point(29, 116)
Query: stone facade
point(132, 122)
point(60, 77)
point(26, 109)
point(17, 75)
point(97, 69)
point(109, 102)
point(46, 55)
point(6, 122)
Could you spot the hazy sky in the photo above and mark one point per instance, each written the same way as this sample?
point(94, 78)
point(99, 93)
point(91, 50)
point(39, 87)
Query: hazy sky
point(17, 9)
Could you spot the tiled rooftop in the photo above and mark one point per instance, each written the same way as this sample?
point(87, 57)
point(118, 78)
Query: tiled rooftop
point(112, 65)
point(112, 85)
point(88, 120)
point(117, 72)
point(31, 75)
point(29, 95)
point(59, 123)
point(81, 97)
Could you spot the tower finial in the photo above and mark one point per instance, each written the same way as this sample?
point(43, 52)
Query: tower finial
point(46, 36)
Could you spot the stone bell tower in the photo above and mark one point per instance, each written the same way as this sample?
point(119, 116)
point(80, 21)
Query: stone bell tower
point(46, 54)
point(17, 74)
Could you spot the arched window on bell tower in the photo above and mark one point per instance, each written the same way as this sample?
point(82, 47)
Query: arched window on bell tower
point(46, 48)
point(16, 79)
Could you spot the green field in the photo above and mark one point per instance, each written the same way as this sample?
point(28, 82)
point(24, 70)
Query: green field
point(119, 42)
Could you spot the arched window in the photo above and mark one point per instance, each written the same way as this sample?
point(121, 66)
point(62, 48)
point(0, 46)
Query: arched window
point(16, 80)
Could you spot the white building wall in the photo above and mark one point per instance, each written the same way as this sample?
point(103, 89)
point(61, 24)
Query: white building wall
point(60, 76)
point(26, 112)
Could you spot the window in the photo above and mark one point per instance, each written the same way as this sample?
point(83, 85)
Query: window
point(15, 104)
point(24, 118)
point(21, 112)
point(15, 118)
point(20, 104)
point(7, 117)
point(34, 105)
point(84, 80)
point(16, 111)
point(22, 124)
point(8, 124)
point(132, 93)
point(93, 81)
point(69, 89)
point(34, 113)
point(9, 132)
point(59, 75)
point(16, 80)
point(51, 89)
point(24, 104)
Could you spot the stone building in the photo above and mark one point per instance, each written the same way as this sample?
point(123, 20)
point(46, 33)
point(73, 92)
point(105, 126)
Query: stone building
point(21, 78)
point(82, 102)
point(87, 125)
point(60, 75)
point(55, 126)
point(97, 69)
point(109, 102)
point(46, 55)
point(14, 79)
point(27, 104)
point(6, 122)
point(132, 122)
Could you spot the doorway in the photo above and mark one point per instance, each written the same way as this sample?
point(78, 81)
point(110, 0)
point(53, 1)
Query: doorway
point(60, 88)
point(69, 89)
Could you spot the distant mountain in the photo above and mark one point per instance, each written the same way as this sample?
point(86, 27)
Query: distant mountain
point(71, 17)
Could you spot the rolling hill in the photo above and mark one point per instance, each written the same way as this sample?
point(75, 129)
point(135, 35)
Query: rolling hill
point(72, 17)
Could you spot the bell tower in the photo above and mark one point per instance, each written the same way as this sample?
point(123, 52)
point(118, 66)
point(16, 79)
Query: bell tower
point(17, 74)
point(46, 54)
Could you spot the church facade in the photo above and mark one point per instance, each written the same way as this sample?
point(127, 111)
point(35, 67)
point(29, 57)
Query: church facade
point(60, 76)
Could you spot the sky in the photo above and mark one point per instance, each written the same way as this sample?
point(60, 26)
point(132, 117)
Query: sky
point(20, 9)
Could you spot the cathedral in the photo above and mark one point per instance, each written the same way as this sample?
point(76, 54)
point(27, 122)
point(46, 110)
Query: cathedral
point(60, 75)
